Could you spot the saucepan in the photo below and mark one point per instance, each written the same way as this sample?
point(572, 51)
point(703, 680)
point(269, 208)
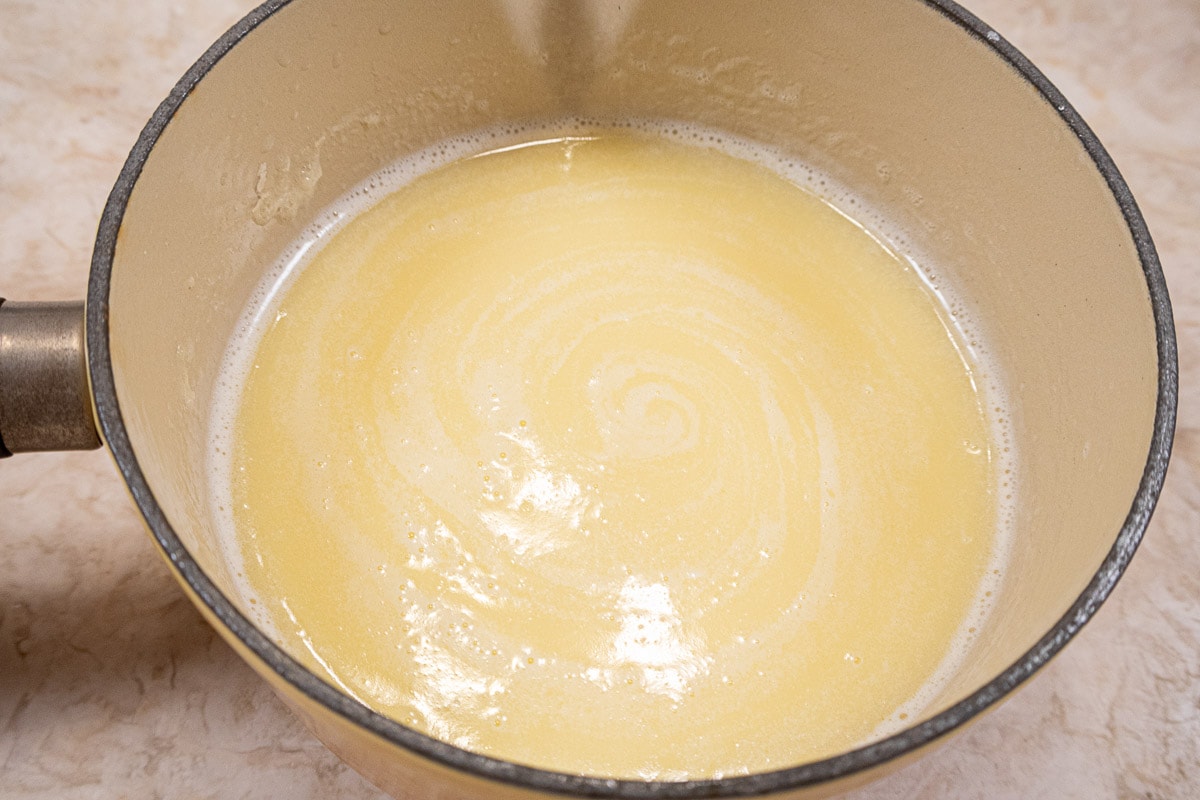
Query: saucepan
point(918, 105)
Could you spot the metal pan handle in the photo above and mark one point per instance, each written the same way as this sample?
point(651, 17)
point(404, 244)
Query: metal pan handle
point(45, 401)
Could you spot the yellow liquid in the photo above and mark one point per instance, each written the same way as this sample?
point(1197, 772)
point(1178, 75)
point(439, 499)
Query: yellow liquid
point(616, 456)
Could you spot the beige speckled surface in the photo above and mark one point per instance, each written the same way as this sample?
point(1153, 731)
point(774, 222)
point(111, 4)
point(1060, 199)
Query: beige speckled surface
point(112, 686)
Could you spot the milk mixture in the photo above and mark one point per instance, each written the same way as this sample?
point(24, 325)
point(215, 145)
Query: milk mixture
point(616, 453)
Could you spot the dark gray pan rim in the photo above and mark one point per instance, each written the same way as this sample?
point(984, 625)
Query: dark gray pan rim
point(490, 769)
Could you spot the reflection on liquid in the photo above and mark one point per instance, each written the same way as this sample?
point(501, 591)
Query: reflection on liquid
point(541, 511)
point(652, 638)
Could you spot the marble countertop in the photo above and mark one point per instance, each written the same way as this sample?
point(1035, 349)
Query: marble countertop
point(111, 684)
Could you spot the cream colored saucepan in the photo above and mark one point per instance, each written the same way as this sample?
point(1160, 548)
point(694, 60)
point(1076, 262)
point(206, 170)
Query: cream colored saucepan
point(917, 105)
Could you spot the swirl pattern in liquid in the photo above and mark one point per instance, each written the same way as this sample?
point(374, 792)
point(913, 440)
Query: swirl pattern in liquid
point(616, 456)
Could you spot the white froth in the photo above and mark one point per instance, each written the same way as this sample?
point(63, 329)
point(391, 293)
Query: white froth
point(961, 327)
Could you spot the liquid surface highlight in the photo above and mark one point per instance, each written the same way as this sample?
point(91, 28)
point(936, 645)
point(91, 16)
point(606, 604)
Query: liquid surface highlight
point(613, 455)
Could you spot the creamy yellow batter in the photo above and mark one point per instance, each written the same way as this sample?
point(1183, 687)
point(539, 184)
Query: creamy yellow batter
point(616, 456)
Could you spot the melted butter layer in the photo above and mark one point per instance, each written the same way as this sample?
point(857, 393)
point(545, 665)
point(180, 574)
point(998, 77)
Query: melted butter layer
point(615, 456)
